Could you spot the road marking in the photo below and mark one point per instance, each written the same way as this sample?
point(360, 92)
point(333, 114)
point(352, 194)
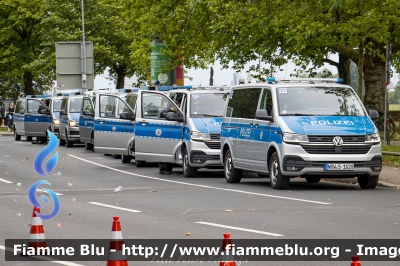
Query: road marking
point(202, 186)
point(40, 190)
point(45, 258)
point(114, 207)
point(5, 181)
point(239, 229)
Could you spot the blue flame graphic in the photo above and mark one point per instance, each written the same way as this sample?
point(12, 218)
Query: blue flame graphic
point(35, 202)
point(44, 153)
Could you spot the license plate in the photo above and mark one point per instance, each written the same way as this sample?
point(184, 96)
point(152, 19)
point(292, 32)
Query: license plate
point(339, 167)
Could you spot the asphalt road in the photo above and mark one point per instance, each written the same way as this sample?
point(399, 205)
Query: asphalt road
point(171, 206)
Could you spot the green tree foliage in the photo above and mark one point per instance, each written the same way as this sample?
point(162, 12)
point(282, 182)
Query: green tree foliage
point(20, 46)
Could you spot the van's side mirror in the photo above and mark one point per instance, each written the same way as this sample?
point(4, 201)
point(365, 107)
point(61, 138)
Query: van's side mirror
point(373, 114)
point(62, 112)
point(22, 112)
point(262, 114)
point(173, 116)
point(128, 116)
point(87, 112)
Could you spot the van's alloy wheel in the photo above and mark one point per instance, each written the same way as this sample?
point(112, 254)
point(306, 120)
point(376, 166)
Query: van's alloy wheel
point(126, 159)
point(366, 182)
point(188, 171)
point(232, 175)
point(277, 180)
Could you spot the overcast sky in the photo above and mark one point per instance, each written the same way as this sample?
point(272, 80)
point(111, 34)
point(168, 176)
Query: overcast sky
point(202, 76)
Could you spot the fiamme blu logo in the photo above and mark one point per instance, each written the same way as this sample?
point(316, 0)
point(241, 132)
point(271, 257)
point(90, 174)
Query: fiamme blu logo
point(44, 167)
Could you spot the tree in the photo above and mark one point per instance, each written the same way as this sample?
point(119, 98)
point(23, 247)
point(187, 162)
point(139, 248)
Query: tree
point(20, 45)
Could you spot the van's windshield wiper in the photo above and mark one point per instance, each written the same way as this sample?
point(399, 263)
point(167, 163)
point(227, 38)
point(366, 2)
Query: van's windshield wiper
point(297, 114)
point(210, 115)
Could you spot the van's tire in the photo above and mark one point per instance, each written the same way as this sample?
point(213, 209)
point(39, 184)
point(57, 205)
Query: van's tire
point(313, 179)
point(16, 136)
point(140, 163)
point(278, 181)
point(29, 138)
point(231, 174)
point(188, 171)
point(89, 146)
point(117, 156)
point(126, 158)
point(367, 182)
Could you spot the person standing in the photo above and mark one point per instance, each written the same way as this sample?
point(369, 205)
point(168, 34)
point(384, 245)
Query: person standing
point(2, 115)
point(10, 113)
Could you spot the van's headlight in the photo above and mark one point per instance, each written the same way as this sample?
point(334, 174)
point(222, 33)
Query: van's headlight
point(295, 138)
point(72, 123)
point(56, 122)
point(374, 138)
point(200, 136)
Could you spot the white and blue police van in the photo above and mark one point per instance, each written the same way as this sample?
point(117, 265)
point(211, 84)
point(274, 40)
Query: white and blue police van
point(32, 117)
point(202, 109)
point(70, 111)
point(310, 128)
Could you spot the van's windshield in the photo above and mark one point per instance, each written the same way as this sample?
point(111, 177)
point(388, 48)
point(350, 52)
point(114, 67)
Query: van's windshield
point(56, 107)
point(318, 101)
point(75, 105)
point(207, 104)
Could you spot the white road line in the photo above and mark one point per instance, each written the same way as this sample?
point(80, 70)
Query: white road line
point(5, 181)
point(46, 258)
point(40, 190)
point(240, 229)
point(114, 207)
point(196, 185)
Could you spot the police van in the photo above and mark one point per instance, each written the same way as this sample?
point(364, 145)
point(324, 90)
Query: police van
point(301, 127)
point(202, 109)
point(87, 114)
point(32, 117)
point(69, 119)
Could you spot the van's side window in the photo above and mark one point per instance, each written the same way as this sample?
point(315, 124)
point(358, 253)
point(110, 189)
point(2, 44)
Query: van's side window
point(243, 103)
point(108, 106)
point(87, 105)
point(266, 101)
point(64, 105)
point(155, 106)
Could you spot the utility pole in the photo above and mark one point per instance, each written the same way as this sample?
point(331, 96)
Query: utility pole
point(386, 132)
point(83, 49)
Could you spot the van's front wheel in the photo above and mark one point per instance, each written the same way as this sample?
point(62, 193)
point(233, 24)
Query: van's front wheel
point(188, 171)
point(366, 182)
point(232, 175)
point(278, 181)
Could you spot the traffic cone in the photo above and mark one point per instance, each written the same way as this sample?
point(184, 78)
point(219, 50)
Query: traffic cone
point(227, 258)
point(36, 237)
point(115, 257)
point(355, 261)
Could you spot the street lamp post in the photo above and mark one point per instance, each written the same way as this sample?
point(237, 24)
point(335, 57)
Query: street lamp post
point(83, 49)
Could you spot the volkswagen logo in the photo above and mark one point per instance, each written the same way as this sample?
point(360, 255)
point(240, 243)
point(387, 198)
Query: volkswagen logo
point(337, 141)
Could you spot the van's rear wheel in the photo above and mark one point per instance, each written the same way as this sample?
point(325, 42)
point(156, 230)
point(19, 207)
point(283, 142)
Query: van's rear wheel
point(366, 182)
point(16, 136)
point(89, 146)
point(188, 171)
point(278, 181)
point(126, 159)
point(232, 175)
point(117, 156)
point(29, 138)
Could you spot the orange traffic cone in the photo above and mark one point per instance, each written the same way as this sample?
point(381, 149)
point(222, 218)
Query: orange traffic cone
point(36, 237)
point(227, 258)
point(115, 257)
point(355, 261)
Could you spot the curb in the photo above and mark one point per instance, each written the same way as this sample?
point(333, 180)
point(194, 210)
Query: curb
point(385, 184)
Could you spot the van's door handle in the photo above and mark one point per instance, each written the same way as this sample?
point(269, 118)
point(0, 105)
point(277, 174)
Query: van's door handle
point(100, 121)
point(251, 124)
point(257, 125)
point(143, 122)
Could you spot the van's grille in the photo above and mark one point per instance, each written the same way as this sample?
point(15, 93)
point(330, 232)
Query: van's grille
point(215, 136)
point(328, 149)
point(215, 145)
point(346, 139)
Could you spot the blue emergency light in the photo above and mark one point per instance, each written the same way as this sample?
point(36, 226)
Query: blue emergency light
point(270, 80)
point(340, 80)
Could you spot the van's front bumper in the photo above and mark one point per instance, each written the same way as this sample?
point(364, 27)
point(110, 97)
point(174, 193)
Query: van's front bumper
point(297, 162)
point(201, 156)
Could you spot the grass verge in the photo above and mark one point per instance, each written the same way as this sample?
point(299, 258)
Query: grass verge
point(388, 159)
